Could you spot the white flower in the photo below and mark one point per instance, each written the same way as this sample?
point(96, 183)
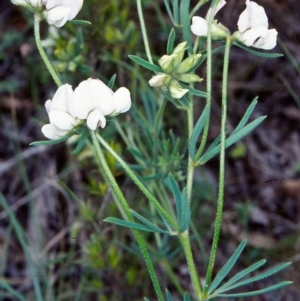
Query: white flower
point(61, 113)
point(253, 27)
point(58, 12)
point(199, 25)
point(35, 3)
point(93, 100)
point(158, 80)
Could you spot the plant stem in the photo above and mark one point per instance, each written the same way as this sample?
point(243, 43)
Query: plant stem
point(144, 32)
point(198, 5)
point(222, 166)
point(139, 184)
point(42, 51)
point(185, 241)
point(208, 79)
point(119, 194)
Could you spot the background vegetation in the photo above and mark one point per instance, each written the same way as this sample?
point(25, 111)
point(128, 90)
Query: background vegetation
point(57, 202)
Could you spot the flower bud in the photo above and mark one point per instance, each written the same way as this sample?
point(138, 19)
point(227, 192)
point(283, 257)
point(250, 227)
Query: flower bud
point(166, 62)
point(159, 80)
point(176, 90)
point(179, 52)
point(188, 63)
point(190, 78)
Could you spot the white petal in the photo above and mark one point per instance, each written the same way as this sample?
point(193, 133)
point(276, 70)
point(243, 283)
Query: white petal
point(62, 120)
point(251, 36)
point(95, 119)
point(157, 80)
point(58, 16)
point(48, 105)
point(74, 5)
point(199, 26)
point(220, 5)
point(63, 100)
point(269, 42)
point(122, 100)
point(254, 15)
point(50, 132)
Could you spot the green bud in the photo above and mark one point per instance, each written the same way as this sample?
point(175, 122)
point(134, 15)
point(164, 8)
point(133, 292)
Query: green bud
point(188, 63)
point(159, 80)
point(190, 78)
point(166, 62)
point(176, 90)
point(179, 52)
point(219, 31)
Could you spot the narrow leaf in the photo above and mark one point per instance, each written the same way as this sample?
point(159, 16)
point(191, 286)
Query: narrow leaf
point(227, 267)
point(233, 139)
point(145, 64)
point(169, 11)
point(197, 131)
point(185, 22)
point(194, 91)
point(51, 142)
point(130, 225)
point(112, 81)
point(185, 212)
point(246, 116)
point(80, 144)
point(171, 40)
point(258, 292)
point(169, 296)
point(260, 276)
point(240, 275)
point(148, 223)
point(177, 197)
point(186, 297)
point(258, 53)
point(11, 291)
point(214, 144)
point(80, 22)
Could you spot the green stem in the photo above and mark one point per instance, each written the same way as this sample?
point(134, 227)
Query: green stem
point(208, 79)
point(119, 194)
point(185, 241)
point(42, 51)
point(198, 5)
point(222, 166)
point(144, 32)
point(139, 184)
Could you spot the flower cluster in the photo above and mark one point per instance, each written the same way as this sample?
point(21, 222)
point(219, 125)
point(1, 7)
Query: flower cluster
point(90, 102)
point(252, 27)
point(175, 70)
point(56, 12)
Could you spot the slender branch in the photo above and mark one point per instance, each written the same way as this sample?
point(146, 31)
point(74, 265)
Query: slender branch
point(42, 51)
point(144, 32)
point(119, 194)
point(222, 166)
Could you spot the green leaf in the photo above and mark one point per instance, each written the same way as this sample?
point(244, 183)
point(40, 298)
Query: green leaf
point(177, 197)
point(169, 296)
point(186, 297)
point(80, 22)
point(148, 223)
point(185, 217)
point(146, 299)
point(169, 11)
point(51, 142)
point(246, 116)
point(227, 267)
point(233, 139)
point(197, 131)
point(132, 225)
point(240, 275)
point(171, 40)
point(185, 22)
point(258, 292)
point(11, 291)
point(194, 91)
point(80, 144)
point(258, 53)
point(145, 64)
point(112, 81)
point(260, 276)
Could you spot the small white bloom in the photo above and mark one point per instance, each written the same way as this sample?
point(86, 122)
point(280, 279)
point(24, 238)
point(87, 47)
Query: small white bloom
point(199, 25)
point(253, 27)
point(93, 100)
point(58, 12)
point(61, 113)
point(158, 80)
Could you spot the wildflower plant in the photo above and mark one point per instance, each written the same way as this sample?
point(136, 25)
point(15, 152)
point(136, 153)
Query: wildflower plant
point(85, 110)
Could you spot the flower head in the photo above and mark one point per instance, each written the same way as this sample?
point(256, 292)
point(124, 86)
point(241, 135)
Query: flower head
point(199, 25)
point(253, 27)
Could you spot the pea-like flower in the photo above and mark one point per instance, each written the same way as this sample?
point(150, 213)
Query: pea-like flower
point(90, 102)
point(58, 12)
point(199, 25)
point(61, 113)
point(253, 27)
